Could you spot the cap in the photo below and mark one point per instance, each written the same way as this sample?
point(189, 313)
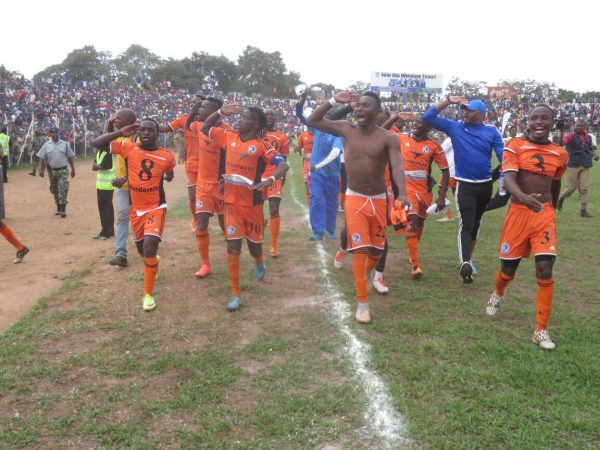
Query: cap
point(475, 105)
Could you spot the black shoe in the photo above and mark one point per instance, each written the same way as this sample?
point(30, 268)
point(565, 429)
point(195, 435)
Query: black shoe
point(559, 205)
point(63, 211)
point(466, 272)
point(118, 260)
point(32, 174)
point(584, 213)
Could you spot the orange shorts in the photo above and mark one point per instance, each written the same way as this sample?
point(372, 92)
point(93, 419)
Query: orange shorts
point(190, 177)
point(451, 183)
point(419, 202)
point(245, 222)
point(209, 198)
point(525, 230)
point(150, 224)
point(366, 220)
point(275, 190)
point(305, 170)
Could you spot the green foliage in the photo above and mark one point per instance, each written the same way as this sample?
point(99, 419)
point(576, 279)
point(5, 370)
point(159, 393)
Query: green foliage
point(211, 72)
point(137, 62)
point(469, 89)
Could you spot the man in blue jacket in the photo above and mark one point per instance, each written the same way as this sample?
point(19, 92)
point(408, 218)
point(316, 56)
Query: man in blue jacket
point(473, 142)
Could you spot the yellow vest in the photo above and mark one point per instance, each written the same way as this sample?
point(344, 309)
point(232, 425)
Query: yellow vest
point(104, 178)
point(4, 141)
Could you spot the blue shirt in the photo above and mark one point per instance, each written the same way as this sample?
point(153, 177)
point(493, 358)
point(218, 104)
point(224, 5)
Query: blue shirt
point(322, 145)
point(473, 145)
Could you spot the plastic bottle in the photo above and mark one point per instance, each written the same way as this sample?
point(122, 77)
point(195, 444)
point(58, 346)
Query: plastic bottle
point(501, 188)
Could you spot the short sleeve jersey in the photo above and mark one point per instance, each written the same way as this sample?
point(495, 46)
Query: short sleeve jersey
point(305, 142)
point(145, 170)
point(191, 142)
point(211, 158)
point(281, 143)
point(546, 160)
point(248, 159)
point(417, 158)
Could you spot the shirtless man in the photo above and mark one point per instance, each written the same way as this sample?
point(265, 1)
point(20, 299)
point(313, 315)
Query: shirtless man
point(369, 148)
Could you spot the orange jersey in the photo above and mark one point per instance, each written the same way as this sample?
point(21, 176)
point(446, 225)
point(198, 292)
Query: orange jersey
point(417, 157)
point(191, 142)
point(145, 170)
point(248, 159)
point(546, 160)
point(211, 158)
point(281, 143)
point(305, 142)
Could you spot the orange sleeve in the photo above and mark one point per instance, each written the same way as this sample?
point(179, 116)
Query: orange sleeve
point(178, 123)
point(171, 163)
point(440, 158)
point(118, 147)
point(510, 158)
point(562, 168)
point(301, 141)
point(217, 135)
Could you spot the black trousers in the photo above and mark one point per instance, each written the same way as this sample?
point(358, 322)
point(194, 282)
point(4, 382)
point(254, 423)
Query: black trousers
point(471, 202)
point(107, 213)
point(5, 168)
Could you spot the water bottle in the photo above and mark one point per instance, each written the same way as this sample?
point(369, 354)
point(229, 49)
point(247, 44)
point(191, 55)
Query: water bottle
point(501, 189)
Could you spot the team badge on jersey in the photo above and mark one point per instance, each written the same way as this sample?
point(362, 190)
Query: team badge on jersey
point(199, 204)
point(230, 230)
point(356, 238)
point(504, 248)
point(425, 149)
point(252, 149)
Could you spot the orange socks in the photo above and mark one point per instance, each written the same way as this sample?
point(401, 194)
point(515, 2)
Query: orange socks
point(545, 295)
point(233, 266)
point(359, 265)
point(275, 225)
point(8, 234)
point(412, 243)
point(202, 240)
point(502, 282)
point(150, 270)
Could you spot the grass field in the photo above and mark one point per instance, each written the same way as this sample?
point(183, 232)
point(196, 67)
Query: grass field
point(87, 369)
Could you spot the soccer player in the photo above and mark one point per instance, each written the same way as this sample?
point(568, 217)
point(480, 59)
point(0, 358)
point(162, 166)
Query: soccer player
point(8, 234)
point(147, 166)
point(274, 192)
point(533, 167)
point(209, 198)
point(305, 143)
point(419, 151)
point(247, 154)
point(191, 154)
point(368, 150)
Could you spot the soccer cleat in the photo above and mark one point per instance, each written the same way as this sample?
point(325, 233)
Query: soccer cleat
point(362, 313)
point(315, 237)
point(493, 304)
point(234, 303)
point(338, 261)
point(274, 252)
point(330, 234)
point(148, 304)
point(417, 272)
point(204, 271)
point(260, 271)
point(466, 272)
point(118, 260)
point(446, 219)
point(380, 286)
point(541, 338)
point(474, 268)
point(21, 254)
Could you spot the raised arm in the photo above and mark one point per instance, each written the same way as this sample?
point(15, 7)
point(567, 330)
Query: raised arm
point(440, 123)
point(398, 117)
point(105, 139)
point(336, 127)
point(226, 111)
point(192, 116)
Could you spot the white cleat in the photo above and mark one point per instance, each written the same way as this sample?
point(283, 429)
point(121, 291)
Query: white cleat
point(493, 304)
point(380, 286)
point(542, 339)
point(362, 313)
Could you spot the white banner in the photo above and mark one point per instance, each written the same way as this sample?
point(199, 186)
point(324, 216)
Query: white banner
point(404, 82)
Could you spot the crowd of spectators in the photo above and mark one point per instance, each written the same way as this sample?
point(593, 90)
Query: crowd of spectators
point(81, 109)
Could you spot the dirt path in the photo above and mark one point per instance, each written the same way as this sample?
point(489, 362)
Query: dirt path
point(57, 245)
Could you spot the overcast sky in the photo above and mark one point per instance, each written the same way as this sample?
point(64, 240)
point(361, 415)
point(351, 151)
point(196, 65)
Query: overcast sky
point(325, 40)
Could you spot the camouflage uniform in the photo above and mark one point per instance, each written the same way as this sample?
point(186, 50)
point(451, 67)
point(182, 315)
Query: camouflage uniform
point(59, 184)
point(38, 142)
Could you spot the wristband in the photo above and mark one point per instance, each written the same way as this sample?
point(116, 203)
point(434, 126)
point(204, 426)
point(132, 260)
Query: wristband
point(332, 101)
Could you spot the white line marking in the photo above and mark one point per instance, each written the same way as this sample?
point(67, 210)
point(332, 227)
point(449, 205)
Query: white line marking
point(381, 417)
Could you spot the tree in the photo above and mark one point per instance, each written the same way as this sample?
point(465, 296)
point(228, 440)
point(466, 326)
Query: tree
point(264, 73)
point(85, 64)
point(359, 86)
point(213, 73)
point(469, 89)
point(176, 72)
point(137, 63)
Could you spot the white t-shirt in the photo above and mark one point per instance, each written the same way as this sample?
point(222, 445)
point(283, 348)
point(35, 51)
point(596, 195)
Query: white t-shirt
point(449, 152)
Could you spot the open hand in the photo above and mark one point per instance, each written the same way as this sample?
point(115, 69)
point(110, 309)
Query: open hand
point(346, 97)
